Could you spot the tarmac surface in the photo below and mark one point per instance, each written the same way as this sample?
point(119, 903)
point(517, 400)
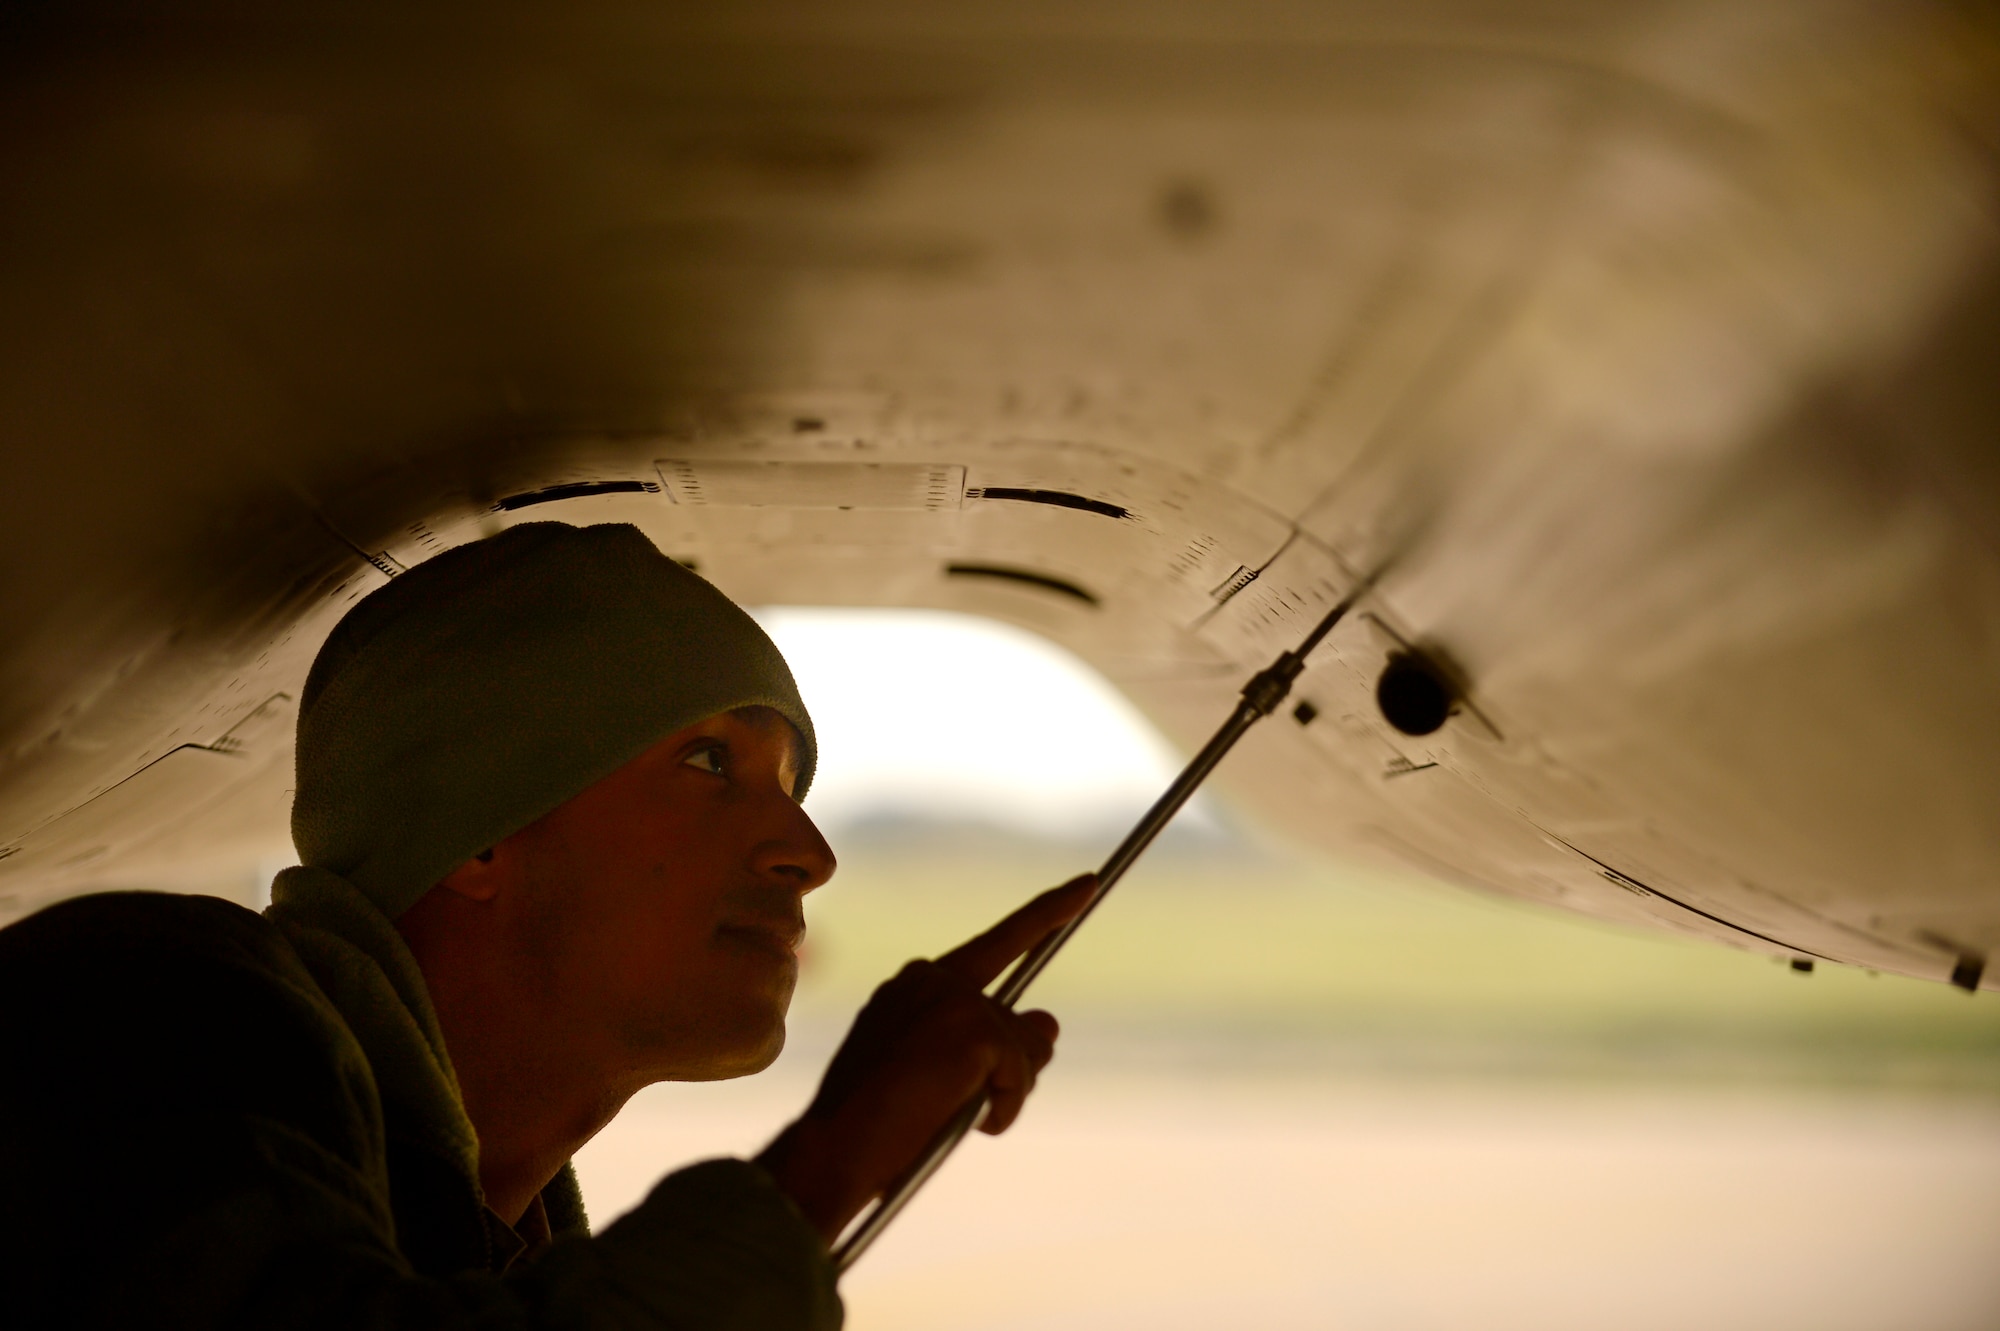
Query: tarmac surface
point(1150, 1197)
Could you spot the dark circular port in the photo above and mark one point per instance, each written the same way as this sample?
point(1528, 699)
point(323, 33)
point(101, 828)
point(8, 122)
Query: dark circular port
point(1412, 696)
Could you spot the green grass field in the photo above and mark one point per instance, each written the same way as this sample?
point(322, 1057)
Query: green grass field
point(1302, 966)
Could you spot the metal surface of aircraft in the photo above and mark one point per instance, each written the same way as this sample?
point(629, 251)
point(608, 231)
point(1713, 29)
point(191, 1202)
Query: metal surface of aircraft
point(1648, 353)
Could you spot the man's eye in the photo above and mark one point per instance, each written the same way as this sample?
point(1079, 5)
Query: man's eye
point(708, 760)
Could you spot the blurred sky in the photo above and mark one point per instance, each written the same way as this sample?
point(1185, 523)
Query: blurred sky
point(924, 713)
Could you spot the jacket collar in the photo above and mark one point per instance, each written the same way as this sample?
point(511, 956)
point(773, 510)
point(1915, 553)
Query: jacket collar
point(368, 972)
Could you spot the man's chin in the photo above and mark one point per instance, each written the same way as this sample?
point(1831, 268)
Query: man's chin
point(737, 1058)
point(763, 1056)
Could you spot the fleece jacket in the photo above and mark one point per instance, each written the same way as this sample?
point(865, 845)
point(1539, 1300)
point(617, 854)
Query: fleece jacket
point(211, 1118)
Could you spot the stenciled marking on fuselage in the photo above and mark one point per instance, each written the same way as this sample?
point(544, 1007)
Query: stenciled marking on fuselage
point(1053, 498)
point(574, 490)
point(1046, 581)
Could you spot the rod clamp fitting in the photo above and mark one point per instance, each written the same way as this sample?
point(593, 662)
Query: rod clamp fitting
point(1269, 686)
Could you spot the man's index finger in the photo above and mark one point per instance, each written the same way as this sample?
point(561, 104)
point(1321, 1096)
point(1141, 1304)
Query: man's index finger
point(981, 959)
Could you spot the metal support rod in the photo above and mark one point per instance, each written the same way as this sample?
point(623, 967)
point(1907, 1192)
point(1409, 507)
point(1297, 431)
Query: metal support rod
point(1261, 696)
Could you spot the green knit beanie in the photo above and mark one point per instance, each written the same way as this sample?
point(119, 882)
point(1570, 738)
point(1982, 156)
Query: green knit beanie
point(486, 686)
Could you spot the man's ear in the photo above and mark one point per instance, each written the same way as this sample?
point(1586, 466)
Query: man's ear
point(478, 879)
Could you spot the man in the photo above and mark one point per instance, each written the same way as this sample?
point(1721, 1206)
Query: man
point(552, 852)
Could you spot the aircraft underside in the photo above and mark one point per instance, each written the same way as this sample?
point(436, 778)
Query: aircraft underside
point(1645, 354)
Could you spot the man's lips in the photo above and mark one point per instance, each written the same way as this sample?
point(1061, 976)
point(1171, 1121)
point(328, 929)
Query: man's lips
point(776, 935)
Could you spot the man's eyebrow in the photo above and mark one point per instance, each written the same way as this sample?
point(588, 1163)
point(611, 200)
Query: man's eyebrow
point(766, 719)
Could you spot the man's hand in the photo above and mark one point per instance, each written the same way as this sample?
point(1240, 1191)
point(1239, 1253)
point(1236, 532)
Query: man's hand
point(928, 1042)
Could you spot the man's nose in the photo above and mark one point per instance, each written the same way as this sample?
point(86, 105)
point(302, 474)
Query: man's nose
point(799, 854)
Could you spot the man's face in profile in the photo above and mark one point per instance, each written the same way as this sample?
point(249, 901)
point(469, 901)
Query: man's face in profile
point(664, 905)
